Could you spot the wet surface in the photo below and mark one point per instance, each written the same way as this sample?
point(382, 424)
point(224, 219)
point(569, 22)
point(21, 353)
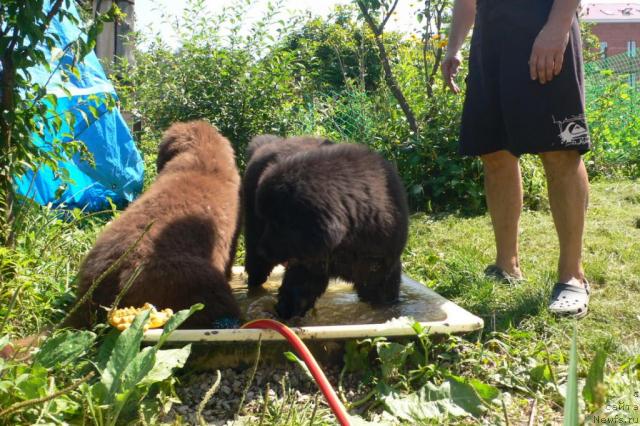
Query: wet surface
point(339, 305)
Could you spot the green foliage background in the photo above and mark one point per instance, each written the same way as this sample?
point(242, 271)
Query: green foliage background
point(313, 76)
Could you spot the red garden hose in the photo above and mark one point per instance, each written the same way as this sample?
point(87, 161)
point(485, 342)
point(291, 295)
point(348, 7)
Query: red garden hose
point(307, 357)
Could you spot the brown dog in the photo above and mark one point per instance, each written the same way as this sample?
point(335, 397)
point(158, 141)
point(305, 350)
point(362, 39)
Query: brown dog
point(187, 254)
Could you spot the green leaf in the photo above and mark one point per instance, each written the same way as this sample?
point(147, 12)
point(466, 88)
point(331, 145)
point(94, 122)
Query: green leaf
point(293, 358)
point(139, 367)
point(429, 403)
point(175, 321)
point(166, 361)
point(106, 348)
point(594, 391)
point(125, 350)
point(452, 398)
point(571, 411)
point(33, 383)
point(63, 348)
point(393, 356)
point(4, 341)
point(541, 374)
point(464, 395)
point(485, 391)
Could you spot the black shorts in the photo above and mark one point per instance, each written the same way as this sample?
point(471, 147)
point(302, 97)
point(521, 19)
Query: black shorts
point(504, 109)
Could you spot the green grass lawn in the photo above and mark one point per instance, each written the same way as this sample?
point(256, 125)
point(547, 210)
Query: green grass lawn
point(520, 358)
point(450, 253)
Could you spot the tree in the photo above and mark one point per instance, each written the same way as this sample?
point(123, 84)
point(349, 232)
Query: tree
point(433, 16)
point(25, 37)
point(369, 9)
point(336, 52)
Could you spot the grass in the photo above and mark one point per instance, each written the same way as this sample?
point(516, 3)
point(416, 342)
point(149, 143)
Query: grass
point(450, 254)
point(522, 352)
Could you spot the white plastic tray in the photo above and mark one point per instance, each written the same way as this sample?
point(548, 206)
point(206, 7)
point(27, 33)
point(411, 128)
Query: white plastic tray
point(451, 318)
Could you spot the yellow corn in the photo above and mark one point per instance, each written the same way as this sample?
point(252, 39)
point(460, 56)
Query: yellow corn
point(123, 317)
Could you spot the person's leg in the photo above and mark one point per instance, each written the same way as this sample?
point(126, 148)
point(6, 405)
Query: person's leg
point(568, 196)
point(503, 188)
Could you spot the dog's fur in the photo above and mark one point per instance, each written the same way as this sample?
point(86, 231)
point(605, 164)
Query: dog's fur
point(337, 211)
point(262, 152)
point(187, 254)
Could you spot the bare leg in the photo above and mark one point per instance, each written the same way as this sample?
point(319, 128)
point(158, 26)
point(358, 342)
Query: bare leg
point(503, 187)
point(568, 196)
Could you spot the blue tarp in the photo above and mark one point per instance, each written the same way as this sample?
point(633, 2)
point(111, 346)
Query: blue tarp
point(117, 172)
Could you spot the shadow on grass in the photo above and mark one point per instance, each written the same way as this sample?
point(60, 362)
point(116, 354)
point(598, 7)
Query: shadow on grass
point(501, 306)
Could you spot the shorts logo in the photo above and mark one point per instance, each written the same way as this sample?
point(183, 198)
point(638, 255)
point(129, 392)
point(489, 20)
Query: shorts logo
point(573, 131)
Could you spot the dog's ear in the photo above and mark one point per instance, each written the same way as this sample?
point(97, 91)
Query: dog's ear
point(174, 141)
point(258, 141)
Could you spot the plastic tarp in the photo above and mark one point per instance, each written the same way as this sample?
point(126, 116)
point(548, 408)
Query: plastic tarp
point(117, 172)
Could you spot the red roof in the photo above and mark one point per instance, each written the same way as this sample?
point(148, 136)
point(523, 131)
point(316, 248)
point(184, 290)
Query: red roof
point(611, 12)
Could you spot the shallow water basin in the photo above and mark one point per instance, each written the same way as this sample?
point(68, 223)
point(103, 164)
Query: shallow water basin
point(338, 314)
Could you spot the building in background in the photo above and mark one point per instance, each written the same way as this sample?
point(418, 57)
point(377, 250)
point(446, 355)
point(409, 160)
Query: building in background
point(617, 25)
point(112, 42)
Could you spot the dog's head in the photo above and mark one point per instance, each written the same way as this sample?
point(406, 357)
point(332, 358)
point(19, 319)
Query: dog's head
point(259, 141)
point(298, 224)
point(198, 142)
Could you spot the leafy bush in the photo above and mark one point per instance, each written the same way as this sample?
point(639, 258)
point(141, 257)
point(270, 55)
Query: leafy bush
point(318, 77)
point(219, 72)
point(322, 77)
point(614, 120)
point(29, 109)
point(133, 384)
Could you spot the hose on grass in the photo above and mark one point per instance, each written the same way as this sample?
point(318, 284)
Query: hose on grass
point(304, 353)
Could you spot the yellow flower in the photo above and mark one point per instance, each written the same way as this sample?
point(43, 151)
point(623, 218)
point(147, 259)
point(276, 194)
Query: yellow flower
point(435, 37)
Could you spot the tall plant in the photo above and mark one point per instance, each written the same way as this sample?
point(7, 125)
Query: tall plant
point(221, 70)
point(370, 10)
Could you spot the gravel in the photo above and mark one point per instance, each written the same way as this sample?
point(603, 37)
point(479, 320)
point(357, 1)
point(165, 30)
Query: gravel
point(281, 382)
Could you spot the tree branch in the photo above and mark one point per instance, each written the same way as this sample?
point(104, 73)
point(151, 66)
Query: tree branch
point(53, 12)
point(45, 23)
point(388, 73)
point(368, 18)
point(386, 18)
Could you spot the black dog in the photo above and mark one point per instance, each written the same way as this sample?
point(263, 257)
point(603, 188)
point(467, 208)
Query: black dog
point(336, 211)
point(264, 151)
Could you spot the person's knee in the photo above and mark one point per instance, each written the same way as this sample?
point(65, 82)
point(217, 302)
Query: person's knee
point(560, 161)
point(498, 161)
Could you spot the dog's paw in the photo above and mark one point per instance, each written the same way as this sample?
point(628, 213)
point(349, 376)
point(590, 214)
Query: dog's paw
point(295, 308)
point(284, 310)
point(255, 281)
